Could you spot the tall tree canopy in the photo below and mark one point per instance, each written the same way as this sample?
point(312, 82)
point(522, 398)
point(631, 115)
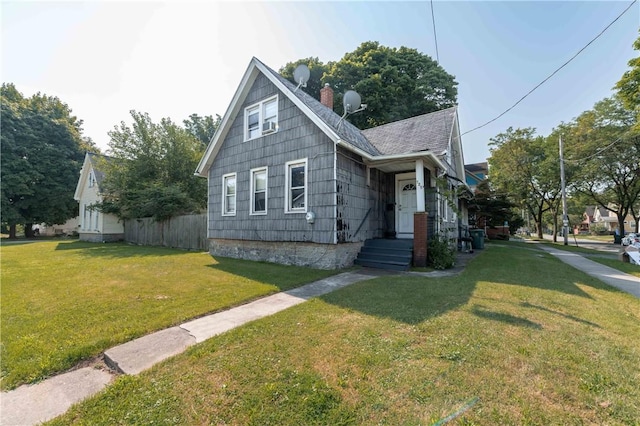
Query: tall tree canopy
point(202, 128)
point(605, 150)
point(629, 86)
point(151, 170)
point(526, 168)
point(42, 153)
point(395, 83)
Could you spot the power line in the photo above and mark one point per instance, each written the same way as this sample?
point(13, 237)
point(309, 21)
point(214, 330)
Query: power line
point(435, 37)
point(553, 73)
point(598, 152)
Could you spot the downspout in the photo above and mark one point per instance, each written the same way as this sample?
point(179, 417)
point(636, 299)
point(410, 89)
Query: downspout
point(335, 192)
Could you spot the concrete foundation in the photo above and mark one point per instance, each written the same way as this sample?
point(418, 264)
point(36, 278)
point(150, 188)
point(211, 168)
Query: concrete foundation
point(100, 238)
point(318, 256)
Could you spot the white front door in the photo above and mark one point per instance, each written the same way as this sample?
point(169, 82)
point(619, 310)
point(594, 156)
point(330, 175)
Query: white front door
point(406, 204)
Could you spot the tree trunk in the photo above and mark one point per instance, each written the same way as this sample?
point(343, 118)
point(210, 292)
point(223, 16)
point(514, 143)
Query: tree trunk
point(12, 231)
point(539, 228)
point(621, 225)
point(28, 230)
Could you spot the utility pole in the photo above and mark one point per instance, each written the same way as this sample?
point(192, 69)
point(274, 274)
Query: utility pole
point(565, 218)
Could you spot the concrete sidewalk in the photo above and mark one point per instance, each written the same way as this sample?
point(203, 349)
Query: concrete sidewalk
point(613, 277)
point(33, 404)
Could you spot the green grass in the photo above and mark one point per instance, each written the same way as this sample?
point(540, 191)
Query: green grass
point(65, 302)
point(532, 340)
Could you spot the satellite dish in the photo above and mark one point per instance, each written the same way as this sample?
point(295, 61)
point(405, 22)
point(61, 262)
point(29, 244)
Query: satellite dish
point(351, 101)
point(301, 75)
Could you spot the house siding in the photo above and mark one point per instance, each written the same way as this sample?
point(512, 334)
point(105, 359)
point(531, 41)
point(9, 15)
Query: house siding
point(297, 138)
point(361, 205)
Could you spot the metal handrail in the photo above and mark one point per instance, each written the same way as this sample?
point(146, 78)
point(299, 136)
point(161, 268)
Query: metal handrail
point(362, 223)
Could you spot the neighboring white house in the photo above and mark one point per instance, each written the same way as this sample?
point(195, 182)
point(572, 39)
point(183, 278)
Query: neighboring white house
point(94, 225)
point(68, 228)
point(608, 220)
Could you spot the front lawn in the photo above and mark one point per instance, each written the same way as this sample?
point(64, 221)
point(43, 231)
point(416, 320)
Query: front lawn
point(518, 338)
point(68, 301)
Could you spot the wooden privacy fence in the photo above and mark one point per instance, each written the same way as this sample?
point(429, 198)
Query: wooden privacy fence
point(186, 232)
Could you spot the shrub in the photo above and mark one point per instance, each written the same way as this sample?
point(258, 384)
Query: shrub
point(440, 254)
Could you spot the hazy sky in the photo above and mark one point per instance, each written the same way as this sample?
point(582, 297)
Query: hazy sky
point(175, 58)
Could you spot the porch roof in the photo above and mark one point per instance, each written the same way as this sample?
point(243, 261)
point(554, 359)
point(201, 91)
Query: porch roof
point(424, 132)
point(404, 162)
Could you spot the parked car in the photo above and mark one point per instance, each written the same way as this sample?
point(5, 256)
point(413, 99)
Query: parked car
point(630, 238)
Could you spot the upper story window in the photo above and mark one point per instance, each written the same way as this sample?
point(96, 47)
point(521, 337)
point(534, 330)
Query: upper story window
point(229, 194)
point(259, 191)
point(261, 118)
point(296, 186)
point(92, 179)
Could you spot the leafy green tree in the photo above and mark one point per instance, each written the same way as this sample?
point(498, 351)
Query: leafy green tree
point(202, 128)
point(629, 86)
point(42, 153)
point(606, 152)
point(395, 83)
point(150, 173)
point(491, 208)
point(526, 168)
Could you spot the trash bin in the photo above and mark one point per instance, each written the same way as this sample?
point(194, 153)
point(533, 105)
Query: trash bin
point(617, 239)
point(477, 238)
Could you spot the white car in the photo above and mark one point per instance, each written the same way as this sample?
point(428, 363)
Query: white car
point(630, 238)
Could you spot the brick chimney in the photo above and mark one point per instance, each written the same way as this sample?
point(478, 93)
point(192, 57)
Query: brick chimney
point(326, 96)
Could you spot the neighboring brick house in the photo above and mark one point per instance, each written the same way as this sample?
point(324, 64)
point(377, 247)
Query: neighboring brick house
point(290, 181)
point(94, 225)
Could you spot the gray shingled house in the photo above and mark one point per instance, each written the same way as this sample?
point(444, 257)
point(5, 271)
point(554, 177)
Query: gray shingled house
point(291, 182)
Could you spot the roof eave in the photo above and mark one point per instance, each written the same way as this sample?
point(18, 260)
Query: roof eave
point(83, 177)
point(395, 158)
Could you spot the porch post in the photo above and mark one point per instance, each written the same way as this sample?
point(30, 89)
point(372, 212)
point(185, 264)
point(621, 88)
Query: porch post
point(420, 220)
point(420, 206)
point(420, 239)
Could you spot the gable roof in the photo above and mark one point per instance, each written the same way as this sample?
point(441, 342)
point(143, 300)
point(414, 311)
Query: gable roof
point(374, 146)
point(95, 158)
point(426, 132)
point(91, 163)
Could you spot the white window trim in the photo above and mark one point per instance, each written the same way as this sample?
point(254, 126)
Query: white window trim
point(287, 186)
point(261, 117)
point(224, 194)
point(252, 212)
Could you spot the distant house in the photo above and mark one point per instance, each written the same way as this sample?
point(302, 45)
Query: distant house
point(291, 181)
point(95, 226)
point(475, 173)
point(70, 227)
point(598, 217)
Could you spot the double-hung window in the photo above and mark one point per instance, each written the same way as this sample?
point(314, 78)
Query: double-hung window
point(259, 191)
point(229, 194)
point(296, 186)
point(261, 118)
